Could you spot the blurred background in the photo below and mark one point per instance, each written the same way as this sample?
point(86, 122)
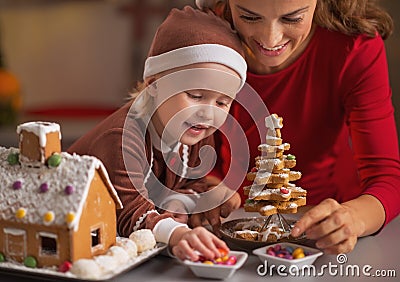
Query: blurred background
point(75, 61)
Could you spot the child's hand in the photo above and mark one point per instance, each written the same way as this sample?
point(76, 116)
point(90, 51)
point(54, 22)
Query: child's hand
point(178, 210)
point(189, 243)
point(332, 225)
point(214, 215)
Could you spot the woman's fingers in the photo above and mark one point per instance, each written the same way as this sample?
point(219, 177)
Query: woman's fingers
point(314, 216)
point(332, 226)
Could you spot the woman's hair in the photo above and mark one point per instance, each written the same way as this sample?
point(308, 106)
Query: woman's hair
point(354, 17)
point(350, 17)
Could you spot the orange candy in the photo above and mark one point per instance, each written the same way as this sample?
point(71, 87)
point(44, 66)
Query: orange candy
point(223, 252)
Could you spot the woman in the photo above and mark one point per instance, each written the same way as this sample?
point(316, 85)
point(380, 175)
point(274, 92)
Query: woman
point(321, 65)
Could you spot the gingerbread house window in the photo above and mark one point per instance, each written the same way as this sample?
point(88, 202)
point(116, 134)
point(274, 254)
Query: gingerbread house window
point(48, 244)
point(15, 240)
point(96, 238)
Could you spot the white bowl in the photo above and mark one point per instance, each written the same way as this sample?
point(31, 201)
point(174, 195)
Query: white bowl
point(283, 263)
point(217, 271)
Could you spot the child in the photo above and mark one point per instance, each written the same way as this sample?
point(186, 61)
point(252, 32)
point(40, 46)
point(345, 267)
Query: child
point(151, 145)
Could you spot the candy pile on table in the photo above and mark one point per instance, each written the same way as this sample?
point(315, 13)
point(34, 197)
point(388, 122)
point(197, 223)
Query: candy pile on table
point(225, 259)
point(286, 252)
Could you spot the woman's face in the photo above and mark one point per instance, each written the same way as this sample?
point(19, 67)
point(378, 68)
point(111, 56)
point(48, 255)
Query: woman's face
point(275, 31)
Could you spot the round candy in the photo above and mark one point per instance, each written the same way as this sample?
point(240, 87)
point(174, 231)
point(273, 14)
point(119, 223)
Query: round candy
point(13, 158)
point(69, 190)
point(17, 185)
point(297, 251)
point(289, 249)
point(277, 248)
point(222, 252)
point(48, 217)
point(208, 262)
point(30, 262)
point(288, 256)
point(65, 266)
point(69, 217)
point(249, 201)
point(44, 187)
point(20, 213)
point(54, 160)
point(284, 191)
point(231, 260)
point(299, 255)
point(225, 258)
point(290, 157)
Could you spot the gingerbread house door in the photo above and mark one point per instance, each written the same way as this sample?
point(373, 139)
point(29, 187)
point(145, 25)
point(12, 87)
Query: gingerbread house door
point(15, 243)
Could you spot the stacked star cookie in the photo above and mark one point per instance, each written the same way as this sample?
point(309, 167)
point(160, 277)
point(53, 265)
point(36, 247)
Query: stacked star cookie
point(272, 191)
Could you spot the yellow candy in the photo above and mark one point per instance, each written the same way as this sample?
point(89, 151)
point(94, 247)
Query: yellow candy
point(208, 262)
point(297, 251)
point(225, 258)
point(48, 217)
point(69, 217)
point(20, 213)
point(299, 255)
point(218, 260)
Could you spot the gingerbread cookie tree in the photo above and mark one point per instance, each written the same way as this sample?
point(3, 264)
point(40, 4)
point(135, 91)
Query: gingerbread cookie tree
point(272, 191)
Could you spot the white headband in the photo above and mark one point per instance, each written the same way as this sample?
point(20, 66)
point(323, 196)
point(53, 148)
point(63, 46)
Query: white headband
point(202, 53)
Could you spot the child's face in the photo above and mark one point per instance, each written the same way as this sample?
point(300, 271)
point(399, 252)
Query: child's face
point(192, 115)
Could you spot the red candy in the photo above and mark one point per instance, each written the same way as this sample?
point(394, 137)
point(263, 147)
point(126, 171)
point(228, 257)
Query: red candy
point(284, 190)
point(65, 266)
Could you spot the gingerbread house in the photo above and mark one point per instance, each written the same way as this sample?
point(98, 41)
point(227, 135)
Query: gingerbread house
point(54, 206)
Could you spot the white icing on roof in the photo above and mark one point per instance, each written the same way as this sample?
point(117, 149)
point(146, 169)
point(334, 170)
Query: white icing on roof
point(74, 170)
point(40, 129)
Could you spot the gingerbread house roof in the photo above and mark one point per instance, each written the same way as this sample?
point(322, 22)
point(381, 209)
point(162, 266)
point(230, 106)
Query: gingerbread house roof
point(45, 195)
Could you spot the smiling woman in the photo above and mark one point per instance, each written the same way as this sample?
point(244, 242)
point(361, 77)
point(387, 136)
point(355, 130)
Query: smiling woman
point(321, 65)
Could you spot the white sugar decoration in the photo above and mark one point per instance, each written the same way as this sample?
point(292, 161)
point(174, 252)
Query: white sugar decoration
point(273, 121)
point(268, 208)
point(40, 129)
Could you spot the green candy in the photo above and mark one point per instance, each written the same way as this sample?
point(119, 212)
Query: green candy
point(54, 160)
point(249, 201)
point(13, 158)
point(30, 262)
point(290, 157)
point(2, 258)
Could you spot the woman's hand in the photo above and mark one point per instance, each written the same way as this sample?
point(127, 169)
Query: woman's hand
point(334, 226)
point(191, 243)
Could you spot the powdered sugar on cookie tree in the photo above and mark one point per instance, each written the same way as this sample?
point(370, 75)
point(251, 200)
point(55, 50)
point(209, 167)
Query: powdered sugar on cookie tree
point(272, 190)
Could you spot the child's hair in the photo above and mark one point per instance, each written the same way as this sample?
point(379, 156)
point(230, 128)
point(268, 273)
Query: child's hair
point(186, 37)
